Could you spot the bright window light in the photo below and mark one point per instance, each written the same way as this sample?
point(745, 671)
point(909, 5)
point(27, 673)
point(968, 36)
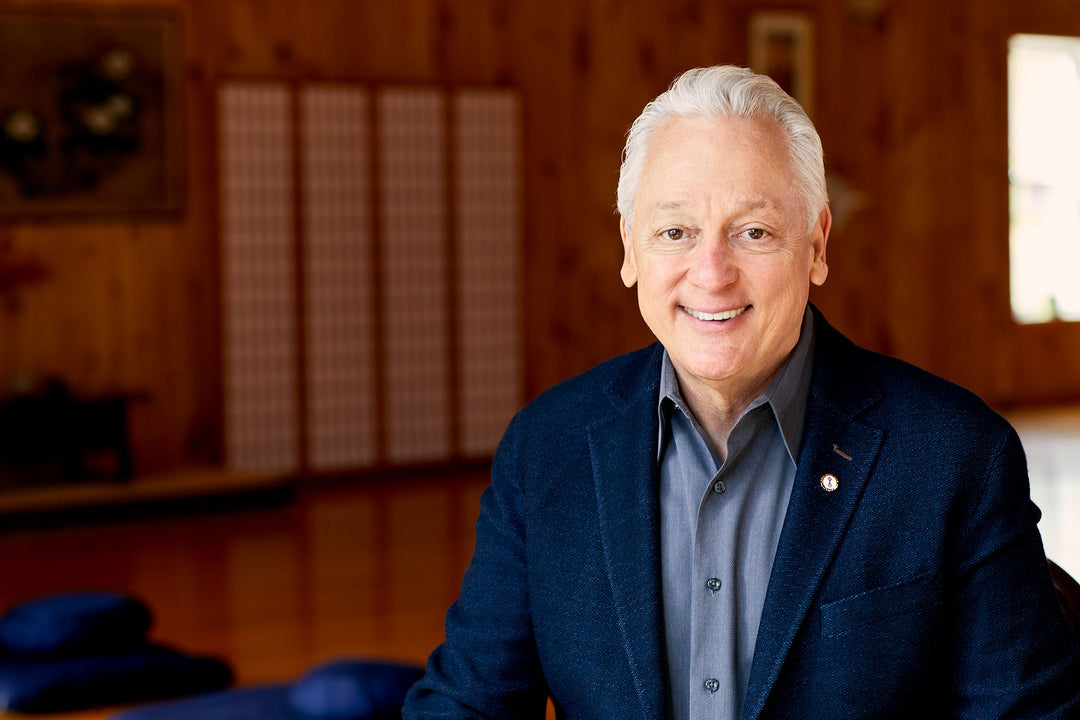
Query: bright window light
point(1044, 177)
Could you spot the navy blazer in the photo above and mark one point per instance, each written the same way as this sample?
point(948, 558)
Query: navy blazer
point(918, 588)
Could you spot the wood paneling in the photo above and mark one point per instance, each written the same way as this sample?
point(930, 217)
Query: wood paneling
point(911, 103)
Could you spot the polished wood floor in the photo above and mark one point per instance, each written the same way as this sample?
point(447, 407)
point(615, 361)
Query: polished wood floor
point(360, 569)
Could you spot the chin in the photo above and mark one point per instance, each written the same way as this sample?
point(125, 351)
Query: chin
point(709, 370)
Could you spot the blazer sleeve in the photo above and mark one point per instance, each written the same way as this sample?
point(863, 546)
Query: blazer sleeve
point(488, 665)
point(1013, 654)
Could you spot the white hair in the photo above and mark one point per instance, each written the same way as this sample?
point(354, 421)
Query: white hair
point(719, 92)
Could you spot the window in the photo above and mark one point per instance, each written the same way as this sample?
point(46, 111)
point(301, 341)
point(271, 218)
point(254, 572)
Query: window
point(1044, 177)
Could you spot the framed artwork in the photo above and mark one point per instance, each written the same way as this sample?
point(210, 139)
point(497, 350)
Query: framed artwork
point(91, 116)
point(781, 45)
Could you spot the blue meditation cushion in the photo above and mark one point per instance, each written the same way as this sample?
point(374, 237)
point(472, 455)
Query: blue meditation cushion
point(339, 690)
point(353, 690)
point(76, 683)
point(74, 623)
point(258, 702)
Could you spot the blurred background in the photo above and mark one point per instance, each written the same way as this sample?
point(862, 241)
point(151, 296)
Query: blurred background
point(251, 244)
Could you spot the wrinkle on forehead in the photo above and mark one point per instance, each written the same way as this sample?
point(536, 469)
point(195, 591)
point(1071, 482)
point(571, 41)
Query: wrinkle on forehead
point(685, 149)
point(667, 205)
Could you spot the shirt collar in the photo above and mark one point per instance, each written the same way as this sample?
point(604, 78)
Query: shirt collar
point(786, 393)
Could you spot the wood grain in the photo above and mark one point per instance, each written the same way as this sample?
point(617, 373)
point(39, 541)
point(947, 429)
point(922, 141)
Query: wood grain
point(910, 101)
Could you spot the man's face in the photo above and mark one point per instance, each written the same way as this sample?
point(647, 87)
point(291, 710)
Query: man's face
point(720, 251)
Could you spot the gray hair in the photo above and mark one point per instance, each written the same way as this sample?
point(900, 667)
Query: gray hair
point(727, 91)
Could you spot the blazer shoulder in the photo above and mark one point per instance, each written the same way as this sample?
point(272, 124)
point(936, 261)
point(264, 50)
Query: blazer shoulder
point(599, 391)
point(901, 391)
point(548, 440)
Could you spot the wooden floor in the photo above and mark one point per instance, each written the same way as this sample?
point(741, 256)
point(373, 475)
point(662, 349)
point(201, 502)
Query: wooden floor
point(361, 569)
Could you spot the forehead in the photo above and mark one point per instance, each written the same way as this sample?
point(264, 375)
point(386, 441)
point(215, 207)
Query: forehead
point(696, 158)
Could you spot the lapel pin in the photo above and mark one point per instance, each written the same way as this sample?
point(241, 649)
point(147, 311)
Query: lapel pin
point(829, 482)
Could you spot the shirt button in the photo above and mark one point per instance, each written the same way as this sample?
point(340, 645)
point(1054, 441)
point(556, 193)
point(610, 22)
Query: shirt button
point(713, 584)
point(712, 685)
point(719, 487)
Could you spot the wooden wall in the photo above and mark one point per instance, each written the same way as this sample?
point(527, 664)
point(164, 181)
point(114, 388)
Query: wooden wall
point(910, 102)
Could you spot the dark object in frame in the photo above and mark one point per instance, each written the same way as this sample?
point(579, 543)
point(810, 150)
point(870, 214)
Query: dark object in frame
point(91, 116)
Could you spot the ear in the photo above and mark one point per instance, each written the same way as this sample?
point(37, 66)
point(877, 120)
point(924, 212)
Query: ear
point(629, 263)
point(819, 238)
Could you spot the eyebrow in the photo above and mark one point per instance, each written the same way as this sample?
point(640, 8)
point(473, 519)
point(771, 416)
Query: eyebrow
point(762, 204)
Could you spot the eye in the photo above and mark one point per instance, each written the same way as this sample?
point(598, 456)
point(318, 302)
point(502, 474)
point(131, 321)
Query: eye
point(755, 233)
point(673, 234)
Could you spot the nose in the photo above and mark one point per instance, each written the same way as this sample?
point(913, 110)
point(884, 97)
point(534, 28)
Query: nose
point(715, 264)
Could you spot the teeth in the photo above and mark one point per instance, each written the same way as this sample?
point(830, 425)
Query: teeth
point(717, 316)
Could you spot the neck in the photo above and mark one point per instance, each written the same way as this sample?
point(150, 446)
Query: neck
point(718, 409)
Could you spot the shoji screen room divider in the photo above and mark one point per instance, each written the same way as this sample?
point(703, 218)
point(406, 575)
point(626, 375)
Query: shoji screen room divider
point(370, 273)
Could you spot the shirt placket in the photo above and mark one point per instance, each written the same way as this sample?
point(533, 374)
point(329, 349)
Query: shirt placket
point(712, 675)
point(714, 612)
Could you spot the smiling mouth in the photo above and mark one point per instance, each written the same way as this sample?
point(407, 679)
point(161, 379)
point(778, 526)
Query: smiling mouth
point(720, 316)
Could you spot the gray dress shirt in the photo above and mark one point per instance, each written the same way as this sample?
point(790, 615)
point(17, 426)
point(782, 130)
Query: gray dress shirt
point(719, 527)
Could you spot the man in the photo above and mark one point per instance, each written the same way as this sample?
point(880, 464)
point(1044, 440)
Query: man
point(753, 518)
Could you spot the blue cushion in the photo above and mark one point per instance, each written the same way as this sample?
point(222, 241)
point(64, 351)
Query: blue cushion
point(74, 623)
point(353, 690)
point(259, 702)
point(339, 690)
point(77, 683)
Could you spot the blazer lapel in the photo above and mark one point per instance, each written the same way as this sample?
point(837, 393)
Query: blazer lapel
point(834, 465)
point(623, 455)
